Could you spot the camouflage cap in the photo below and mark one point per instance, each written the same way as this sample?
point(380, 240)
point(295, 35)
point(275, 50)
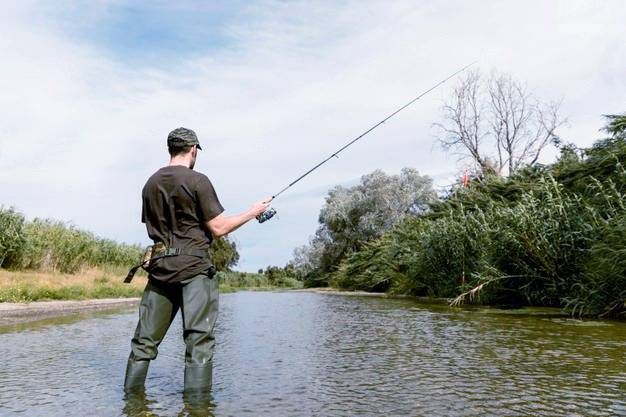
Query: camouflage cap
point(182, 137)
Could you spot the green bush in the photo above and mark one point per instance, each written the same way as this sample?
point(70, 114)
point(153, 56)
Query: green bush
point(231, 281)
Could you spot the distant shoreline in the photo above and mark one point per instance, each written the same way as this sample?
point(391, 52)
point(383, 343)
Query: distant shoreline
point(16, 313)
point(336, 291)
point(19, 313)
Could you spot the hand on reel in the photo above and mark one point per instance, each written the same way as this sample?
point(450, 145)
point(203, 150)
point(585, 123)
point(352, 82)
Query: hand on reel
point(266, 215)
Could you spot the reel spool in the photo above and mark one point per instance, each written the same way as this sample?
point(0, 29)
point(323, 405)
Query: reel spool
point(266, 215)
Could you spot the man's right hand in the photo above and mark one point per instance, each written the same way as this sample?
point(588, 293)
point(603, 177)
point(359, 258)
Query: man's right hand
point(261, 206)
point(222, 225)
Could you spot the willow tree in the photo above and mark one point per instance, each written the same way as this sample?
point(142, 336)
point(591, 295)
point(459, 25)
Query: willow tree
point(355, 215)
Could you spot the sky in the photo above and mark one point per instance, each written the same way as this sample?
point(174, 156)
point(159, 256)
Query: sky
point(90, 90)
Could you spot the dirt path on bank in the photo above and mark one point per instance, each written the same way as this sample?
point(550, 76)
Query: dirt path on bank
point(13, 313)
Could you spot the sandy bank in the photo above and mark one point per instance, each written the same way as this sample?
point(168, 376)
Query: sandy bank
point(13, 313)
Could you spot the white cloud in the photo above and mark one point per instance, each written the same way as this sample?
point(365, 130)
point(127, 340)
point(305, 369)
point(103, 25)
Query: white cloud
point(81, 132)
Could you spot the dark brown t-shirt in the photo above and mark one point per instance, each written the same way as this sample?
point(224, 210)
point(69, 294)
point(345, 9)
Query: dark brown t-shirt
point(177, 202)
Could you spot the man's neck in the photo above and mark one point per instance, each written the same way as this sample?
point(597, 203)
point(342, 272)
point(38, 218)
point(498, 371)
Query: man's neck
point(179, 162)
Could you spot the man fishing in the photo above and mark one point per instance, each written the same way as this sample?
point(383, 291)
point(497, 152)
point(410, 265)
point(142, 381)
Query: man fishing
point(182, 215)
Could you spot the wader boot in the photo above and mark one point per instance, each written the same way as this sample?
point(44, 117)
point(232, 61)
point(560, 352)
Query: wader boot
point(136, 372)
point(198, 299)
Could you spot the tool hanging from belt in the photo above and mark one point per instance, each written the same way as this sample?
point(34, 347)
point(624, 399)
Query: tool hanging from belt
point(158, 251)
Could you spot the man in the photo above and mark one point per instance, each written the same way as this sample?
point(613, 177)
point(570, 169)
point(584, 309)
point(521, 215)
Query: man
point(182, 215)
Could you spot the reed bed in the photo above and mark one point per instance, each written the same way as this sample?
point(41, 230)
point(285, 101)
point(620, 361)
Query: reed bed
point(53, 246)
point(51, 260)
point(550, 236)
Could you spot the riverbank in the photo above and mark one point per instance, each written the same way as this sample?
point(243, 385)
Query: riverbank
point(21, 312)
point(29, 286)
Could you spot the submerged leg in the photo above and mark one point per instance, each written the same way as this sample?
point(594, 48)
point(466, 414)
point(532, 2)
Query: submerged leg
point(157, 309)
point(199, 307)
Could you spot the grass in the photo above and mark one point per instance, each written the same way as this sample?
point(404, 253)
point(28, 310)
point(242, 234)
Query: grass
point(94, 283)
point(20, 287)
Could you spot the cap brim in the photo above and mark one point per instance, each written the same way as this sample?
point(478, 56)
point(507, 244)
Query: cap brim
point(198, 146)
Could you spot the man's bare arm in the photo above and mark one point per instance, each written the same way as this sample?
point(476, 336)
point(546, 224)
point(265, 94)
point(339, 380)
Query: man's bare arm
point(222, 225)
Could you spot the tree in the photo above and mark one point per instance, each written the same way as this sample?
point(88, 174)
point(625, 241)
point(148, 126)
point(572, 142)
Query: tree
point(616, 125)
point(497, 123)
point(223, 253)
point(352, 216)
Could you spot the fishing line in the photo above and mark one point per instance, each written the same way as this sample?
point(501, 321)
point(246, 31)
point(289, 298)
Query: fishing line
point(270, 212)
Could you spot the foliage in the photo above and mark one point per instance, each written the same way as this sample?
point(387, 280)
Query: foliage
point(548, 235)
point(55, 246)
point(231, 281)
point(223, 253)
point(616, 125)
point(354, 216)
point(279, 277)
point(49, 245)
point(20, 286)
point(602, 289)
point(11, 235)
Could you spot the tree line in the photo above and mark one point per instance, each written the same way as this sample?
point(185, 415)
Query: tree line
point(520, 232)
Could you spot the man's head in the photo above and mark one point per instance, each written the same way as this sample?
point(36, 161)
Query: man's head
point(183, 142)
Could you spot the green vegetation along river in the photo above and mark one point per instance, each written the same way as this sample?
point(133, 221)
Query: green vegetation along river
point(299, 353)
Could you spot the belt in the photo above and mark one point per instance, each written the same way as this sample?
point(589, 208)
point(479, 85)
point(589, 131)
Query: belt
point(162, 252)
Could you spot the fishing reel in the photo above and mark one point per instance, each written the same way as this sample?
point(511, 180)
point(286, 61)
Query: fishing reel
point(266, 215)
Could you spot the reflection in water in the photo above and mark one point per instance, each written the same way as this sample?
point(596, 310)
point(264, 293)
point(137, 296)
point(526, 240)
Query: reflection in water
point(136, 404)
point(286, 354)
point(195, 404)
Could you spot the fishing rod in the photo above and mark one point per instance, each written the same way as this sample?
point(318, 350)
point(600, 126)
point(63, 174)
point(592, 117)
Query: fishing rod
point(270, 212)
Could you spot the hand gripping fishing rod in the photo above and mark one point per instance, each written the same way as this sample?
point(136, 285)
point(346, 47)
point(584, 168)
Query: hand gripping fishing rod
point(270, 212)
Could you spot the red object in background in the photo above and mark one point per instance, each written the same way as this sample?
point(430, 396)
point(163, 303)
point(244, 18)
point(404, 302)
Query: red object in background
point(465, 178)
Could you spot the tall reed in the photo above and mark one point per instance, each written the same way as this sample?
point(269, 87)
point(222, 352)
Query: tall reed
point(54, 246)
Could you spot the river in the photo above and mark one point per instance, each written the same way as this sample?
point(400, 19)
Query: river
point(308, 354)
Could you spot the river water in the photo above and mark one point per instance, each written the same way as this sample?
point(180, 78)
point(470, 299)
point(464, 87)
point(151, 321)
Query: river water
point(306, 354)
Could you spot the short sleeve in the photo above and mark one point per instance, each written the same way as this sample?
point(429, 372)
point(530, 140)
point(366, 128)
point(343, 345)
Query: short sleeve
point(208, 203)
point(143, 204)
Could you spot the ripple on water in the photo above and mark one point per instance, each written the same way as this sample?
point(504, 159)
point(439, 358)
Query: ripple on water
point(286, 354)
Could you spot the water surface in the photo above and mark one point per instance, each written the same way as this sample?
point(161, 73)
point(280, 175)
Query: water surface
point(305, 354)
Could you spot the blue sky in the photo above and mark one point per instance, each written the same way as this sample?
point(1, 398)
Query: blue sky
point(91, 89)
point(148, 33)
